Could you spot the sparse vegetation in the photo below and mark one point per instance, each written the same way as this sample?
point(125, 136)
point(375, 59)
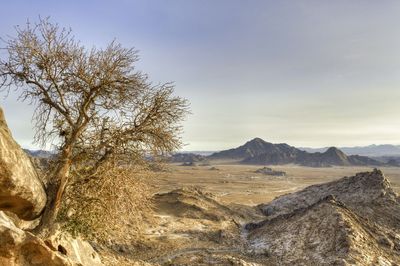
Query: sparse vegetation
point(116, 204)
point(93, 105)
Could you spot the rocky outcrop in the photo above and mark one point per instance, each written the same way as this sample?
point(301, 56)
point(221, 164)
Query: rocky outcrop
point(325, 233)
point(21, 248)
point(23, 197)
point(21, 191)
point(351, 221)
point(363, 188)
point(270, 171)
point(76, 249)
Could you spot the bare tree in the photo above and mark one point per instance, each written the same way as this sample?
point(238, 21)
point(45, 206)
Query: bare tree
point(91, 101)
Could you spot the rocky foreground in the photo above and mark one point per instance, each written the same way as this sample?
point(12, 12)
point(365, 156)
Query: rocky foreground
point(352, 221)
point(22, 199)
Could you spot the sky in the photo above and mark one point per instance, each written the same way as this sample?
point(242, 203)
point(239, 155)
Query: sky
point(309, 73)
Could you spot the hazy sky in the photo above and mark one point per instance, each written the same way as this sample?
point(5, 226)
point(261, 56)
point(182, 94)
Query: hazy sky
point(309, 73)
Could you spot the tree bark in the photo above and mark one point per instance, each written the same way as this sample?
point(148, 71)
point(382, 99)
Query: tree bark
point(55, 191)
point(57, 185)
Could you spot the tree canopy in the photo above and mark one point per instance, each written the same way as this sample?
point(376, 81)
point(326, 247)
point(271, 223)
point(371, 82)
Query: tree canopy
point(92, 102)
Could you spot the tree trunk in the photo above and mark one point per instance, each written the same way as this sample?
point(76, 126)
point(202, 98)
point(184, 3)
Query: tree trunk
point(57, 185)
point(55, 191)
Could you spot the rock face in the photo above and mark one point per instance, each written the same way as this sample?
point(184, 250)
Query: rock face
point(77, 250)
point(21, 191)
point(21, 248)
point(258, 151)
point(363, 188)
point(352, 221)
point(22, 194)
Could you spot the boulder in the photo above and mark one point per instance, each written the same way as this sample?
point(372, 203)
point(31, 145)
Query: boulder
point(21, 248)
point(21, 191)
point(76, 249)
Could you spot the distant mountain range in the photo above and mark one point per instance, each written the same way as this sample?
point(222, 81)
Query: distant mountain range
point(202, 153)
point(40, 153)
point(371, 150)
point(258, 151)
point(186, 158)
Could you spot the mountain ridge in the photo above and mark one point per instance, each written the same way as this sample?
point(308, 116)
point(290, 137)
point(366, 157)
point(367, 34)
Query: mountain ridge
point(257, 151)
point(372, 150)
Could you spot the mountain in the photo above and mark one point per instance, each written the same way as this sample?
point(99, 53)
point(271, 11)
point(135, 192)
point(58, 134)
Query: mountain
point(203, 153)
point(332, 156)
point(258, 151)
point(258, 148)
point(186, 158)
point(40, 153)
point(371, 150)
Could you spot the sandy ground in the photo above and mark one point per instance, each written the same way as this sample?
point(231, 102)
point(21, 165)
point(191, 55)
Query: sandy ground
point(205, 228)
point(240, 184)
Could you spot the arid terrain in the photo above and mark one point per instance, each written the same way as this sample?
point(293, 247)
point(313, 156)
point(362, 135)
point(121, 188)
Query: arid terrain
point(194, 133)
point(240, 184)
point(215, 215)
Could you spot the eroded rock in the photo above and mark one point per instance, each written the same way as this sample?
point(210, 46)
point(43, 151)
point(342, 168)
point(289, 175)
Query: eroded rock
point(351, 221)
point(76, 249)
point(21, 191)
point(363, 188)
point(21, 248)
point(326, 233)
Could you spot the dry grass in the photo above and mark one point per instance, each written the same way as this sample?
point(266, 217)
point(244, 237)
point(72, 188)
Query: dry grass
point(113, 206)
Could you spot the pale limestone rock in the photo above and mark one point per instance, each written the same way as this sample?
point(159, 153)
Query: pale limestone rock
point(21, 248)
point(21, 191)
point(77, 249)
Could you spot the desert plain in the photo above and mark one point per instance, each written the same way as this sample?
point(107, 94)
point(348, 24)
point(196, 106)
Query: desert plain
point(238, 183)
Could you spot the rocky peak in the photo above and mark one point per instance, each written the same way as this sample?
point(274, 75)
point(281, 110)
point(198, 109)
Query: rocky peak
point(256, 145)
point(335, 151)
point(256, 139)
point(365, 187)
